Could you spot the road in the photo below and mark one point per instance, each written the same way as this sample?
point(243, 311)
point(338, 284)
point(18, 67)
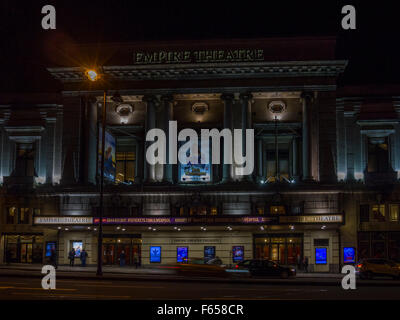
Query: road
point(19, 288)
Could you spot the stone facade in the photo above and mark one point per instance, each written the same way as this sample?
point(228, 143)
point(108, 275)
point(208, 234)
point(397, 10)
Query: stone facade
point(320, 140)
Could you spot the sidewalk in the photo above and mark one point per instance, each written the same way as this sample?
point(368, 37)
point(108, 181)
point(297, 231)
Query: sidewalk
point(132, 270)
point(116, 273)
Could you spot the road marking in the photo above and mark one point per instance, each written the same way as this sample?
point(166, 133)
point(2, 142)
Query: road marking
point(113, 286)
point(75, 295)
point(26, 288)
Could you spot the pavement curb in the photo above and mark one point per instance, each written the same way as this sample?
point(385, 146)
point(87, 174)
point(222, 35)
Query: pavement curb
point(292, 282)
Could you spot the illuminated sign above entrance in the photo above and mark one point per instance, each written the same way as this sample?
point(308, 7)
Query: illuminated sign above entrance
point(333, 218)
point(187, 220)
point(198, 56)
point(63, 220)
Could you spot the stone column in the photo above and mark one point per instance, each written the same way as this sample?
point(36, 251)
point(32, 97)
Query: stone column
point(245, 101)
point(307, 98)
point(50, 140)
point(341, 167)
point(149, 170)
point(350, 147)
point(260, 160)
point(228, 124)
point(168, 116)
point(294, 158)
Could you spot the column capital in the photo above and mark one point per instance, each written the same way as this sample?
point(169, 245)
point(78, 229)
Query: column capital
point(149, 98)
point(227, 96)
point(246, 96)
point(308, 95)
point(167, 98)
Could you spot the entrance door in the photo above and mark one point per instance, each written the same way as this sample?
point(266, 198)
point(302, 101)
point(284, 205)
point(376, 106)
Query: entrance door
point(108, 253)
point(136, 254)
point(26, 253)
point(275, 252)
point(126, 248)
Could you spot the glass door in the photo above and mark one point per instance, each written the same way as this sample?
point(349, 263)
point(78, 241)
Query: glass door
point(108, 254)
point(275, 252)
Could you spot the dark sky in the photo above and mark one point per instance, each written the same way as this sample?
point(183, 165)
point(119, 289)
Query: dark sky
point(372, 49)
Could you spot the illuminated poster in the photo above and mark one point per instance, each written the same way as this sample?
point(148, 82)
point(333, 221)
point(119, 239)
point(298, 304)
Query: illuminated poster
point(155, 254)
point(237, 253)
point(77, 245)
point(182, 254)
point(109, 155)
point(209, 253)
point(349, 255)
point(320, 256)
point(49, 247)
point(196, 172)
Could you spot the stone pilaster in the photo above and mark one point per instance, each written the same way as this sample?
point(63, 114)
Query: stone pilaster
point(151, 102)
point(228, 124)
point(168, 114)
point(246, 100)
point(307, 99)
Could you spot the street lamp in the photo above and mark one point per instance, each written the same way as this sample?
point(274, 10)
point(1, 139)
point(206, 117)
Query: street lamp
point(93, 75)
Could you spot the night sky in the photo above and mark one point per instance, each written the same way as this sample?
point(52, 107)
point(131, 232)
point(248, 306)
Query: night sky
point(372, 49)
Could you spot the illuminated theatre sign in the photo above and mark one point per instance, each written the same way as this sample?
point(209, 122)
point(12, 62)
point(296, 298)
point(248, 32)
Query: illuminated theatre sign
point(198, 56)
point(186, 220)
point(333, 218)
point(63, 220)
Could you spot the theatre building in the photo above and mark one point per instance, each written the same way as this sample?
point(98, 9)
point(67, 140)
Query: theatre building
point(317, 149)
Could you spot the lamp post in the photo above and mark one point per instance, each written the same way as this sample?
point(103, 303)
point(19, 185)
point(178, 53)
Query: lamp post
point(92, 75)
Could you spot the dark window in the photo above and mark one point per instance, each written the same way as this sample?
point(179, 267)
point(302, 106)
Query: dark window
point(134, 211)
point(364, 213)
point(24, 164)
point(283, 164)
point(378, 155)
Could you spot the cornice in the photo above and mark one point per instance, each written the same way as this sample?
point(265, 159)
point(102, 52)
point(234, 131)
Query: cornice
point(209, 71)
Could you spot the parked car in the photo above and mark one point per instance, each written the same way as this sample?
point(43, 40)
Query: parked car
point(198, 267)
point(266, 268)
point(370, 268)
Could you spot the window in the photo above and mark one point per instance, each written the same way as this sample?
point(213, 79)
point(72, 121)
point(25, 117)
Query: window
point(198, 211)
point(364, 213)
point(378, 155)
point(394, 212)
point(23, 216)
point(181, 211)
point(125, 160)
point(283, 164)
point(214, 211)
point(12, 212)
point(277, 210)
point(378, 212)
point(24, 164)
point(134, 211)
point(125, 166)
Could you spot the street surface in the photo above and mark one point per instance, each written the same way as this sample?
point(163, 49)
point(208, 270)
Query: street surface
point(17, 288)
